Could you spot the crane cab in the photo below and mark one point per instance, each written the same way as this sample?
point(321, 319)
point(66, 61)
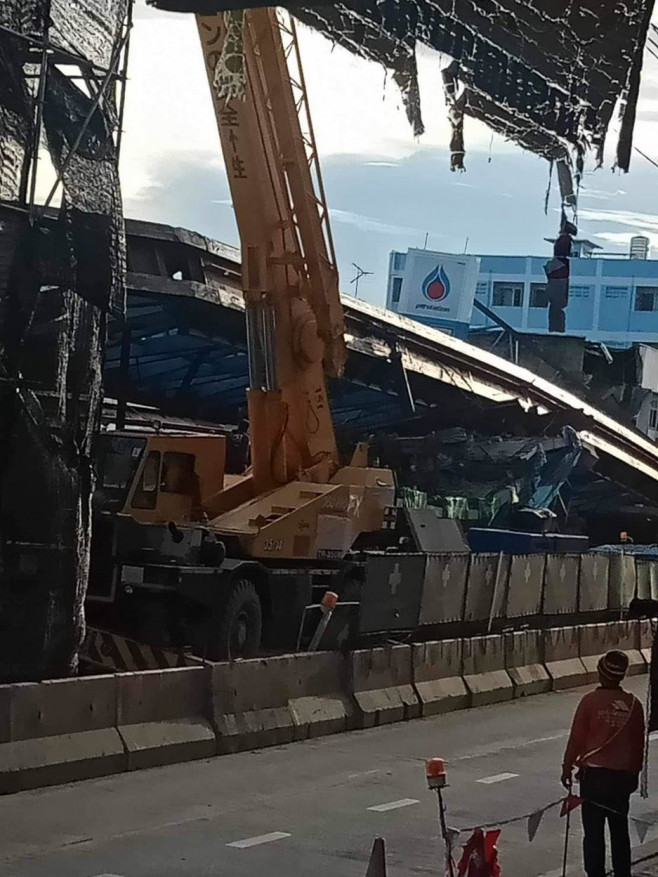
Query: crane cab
point(159, 478)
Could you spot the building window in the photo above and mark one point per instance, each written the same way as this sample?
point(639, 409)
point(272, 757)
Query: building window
point(653, 414)
point(579, 291)
point(399, 260)
point(538, 297)
point(482, 289)
point(616, 291)
point(508, 295)
point(646, 298)
point(396, 288)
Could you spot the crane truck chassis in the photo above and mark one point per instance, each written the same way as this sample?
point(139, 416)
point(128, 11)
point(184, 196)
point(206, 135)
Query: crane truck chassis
point(162, 572)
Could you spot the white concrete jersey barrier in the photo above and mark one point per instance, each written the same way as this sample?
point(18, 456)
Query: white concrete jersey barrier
point(645, 639)
point(562, 657)
point(597, 639)
point(267, 701)
point(624, 635)
point(484, 670)
point(58, 731)
point(437, 675)
point(381, 681)
point(163, 716)
point(317, 695)
point(524, 662)
point(72, 729)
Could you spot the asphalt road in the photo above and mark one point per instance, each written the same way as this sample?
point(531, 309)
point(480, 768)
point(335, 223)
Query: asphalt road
point(314, 808)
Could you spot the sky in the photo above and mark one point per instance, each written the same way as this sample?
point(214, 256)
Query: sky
point(385, 188)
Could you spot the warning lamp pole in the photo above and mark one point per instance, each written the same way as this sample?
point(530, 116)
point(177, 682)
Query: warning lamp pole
point(328, 604)
point(437, 780)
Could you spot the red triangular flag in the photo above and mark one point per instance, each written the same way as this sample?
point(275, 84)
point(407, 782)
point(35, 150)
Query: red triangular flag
point(570, 803)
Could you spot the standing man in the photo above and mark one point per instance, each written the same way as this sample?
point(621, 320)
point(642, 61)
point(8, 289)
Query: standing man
point(606, 744)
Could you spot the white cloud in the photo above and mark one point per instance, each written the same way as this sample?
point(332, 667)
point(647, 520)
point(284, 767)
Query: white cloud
point(357, 109)
point(368, 223)
point(629, 218)
point(599, 195)
point(622, 239)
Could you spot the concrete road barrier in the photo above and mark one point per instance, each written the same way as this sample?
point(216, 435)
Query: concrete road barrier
point(645, 639)
point(484, 670)
point(592, 643)
point(524, 662)
point(163, 716)
point(562, 658)
point(643, 577)
point(317, 694)
point(596, 639)
point(58, 731)
point(623, 635)
point(250, 704)
point(381, 681)
point(437, 675)
point(268, 701)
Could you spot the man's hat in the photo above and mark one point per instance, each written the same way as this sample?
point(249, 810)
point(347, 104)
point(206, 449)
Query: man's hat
point(613, 665)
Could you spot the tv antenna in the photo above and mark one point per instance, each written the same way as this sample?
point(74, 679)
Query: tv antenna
point(355, 280)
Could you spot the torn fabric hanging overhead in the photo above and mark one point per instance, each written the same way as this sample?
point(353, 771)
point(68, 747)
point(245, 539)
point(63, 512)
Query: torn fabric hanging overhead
point(546, 74)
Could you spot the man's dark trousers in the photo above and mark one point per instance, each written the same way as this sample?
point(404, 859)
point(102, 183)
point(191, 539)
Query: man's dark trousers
point(606, 795)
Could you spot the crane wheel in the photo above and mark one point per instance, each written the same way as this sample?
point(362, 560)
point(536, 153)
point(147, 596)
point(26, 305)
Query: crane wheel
point(238, 633)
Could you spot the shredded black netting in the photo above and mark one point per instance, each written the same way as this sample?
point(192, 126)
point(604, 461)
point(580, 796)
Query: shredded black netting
point(58, 279)
point(544, 73)
point(89, 29)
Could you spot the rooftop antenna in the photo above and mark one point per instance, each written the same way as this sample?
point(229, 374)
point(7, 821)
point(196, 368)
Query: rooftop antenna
point(359, 274)
point(427, 234)
point(466, 245)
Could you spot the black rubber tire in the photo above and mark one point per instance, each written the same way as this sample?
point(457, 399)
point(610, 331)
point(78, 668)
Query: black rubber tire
point(238, 630)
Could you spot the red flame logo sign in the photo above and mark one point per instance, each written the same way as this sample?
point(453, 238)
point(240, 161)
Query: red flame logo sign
point(436, 285)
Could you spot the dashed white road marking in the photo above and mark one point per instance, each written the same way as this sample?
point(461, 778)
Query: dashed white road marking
point(108, 875)
point(653, 735)
point(497, 778)
point(394, 805)
point(260, 839)
point(363, 773)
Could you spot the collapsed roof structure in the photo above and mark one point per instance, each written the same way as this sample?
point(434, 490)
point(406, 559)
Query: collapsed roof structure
point(546, 74)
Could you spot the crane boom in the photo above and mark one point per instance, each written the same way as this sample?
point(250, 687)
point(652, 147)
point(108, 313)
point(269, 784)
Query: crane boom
point(294, 316)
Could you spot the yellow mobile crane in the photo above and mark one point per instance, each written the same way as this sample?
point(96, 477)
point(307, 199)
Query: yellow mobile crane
point(270, 533)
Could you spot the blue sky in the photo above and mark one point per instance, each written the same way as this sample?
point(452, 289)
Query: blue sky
point(385, 188)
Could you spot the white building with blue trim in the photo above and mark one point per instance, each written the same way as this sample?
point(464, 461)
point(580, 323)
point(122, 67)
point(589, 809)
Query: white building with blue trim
point(612, 299)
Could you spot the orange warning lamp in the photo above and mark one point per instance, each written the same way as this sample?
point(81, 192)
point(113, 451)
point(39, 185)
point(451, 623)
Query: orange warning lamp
point(435, 771)
point(329, 601)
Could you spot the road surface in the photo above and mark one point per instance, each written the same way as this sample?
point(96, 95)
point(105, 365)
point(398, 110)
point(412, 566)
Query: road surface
point(313, 808)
